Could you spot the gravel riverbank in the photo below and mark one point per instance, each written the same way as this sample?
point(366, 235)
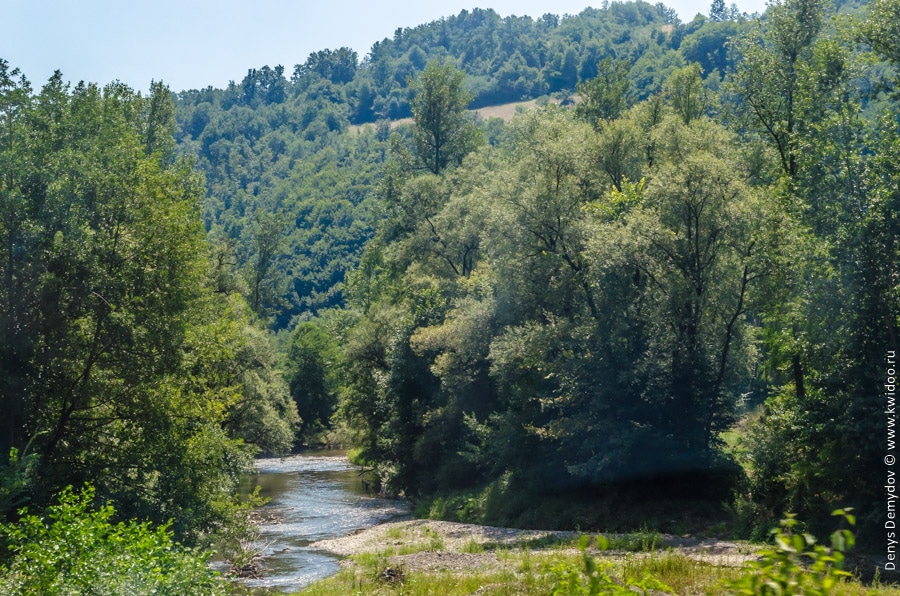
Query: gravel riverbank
point(428, 545)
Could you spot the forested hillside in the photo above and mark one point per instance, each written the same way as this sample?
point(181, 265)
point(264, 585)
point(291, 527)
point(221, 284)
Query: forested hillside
point(649, 332)
point(674, 281)
point(280, 160)
point(589, 296)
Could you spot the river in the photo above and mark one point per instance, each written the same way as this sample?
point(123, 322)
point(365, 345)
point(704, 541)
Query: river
point(314, 496)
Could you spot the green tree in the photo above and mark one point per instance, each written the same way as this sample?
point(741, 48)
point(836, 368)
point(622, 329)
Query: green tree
point(717, 11)
point(768, 78)
point(76, 549)
point(264, 415)
point(620, 151)
point(266, 241)
point(684, 89)
point(775, 84)
point(443, 132)
point(312, 362)
point(880, 28)
point(115, 358)
point(603, 98)
point(701, 252)
point(709, 46)
point(831, 315)
point(159, 122)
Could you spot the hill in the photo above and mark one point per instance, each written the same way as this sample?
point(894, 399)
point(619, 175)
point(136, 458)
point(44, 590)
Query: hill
point(291, 195)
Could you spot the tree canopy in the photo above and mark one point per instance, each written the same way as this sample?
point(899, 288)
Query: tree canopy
point(119, 364)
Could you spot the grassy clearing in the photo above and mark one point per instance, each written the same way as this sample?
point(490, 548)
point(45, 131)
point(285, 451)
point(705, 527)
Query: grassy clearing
point(504, 112)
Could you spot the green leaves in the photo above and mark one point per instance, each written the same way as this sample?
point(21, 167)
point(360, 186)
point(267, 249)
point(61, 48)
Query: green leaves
point(117, 362)
point(444, 133)
point(797, 565)
point(603, 97)
point(880, 28)
point(76, 549)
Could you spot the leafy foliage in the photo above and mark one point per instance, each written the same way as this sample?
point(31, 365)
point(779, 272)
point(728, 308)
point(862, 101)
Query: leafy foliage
point(75, 549)
point(582, 305)
point(119, 364)
point(796, 564)
point(443, 134)
point(586, 303)
point(284, 155)
point(313, 362)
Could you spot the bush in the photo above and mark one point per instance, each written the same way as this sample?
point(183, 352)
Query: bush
point(796, 564)
point(75, 549)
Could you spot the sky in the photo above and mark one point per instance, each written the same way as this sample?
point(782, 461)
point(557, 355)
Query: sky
point(191, 44)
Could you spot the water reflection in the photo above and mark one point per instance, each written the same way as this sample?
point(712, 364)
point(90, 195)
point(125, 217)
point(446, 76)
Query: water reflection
point(313, 496)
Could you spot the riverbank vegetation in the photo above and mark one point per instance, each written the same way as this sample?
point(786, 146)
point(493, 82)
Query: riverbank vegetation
point(584, 307)
point(667, 291)
point(128, 363)
point(446, 558)
point(77, 550)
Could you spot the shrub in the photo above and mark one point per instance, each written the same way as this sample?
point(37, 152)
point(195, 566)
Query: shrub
point(796, 564)
point(75, 549)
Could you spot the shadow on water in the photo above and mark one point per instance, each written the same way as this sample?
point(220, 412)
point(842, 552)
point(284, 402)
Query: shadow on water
point(314, 496)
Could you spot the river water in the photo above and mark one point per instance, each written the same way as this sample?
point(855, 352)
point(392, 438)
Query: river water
point(314, 496)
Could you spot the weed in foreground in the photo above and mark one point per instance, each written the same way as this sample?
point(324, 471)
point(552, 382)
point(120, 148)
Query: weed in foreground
point(796, 564)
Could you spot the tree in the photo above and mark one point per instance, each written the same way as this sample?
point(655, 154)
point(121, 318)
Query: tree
point(709, 46)
point(115, 354)
point(311, 365)
point(264, 415)
point(266, 240)
point(159, 122)
point(717, 11)
point(817, 444)
point(779, 102)
point(619, 152)
point(768, 79)
point(603, 98)
point(684, 89)
point(549, 179)
point(673, 261)
point(338, 66)
point(880, 28)
point(443, 132)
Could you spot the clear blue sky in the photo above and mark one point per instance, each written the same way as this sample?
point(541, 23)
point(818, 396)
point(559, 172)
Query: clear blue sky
point(191, 44)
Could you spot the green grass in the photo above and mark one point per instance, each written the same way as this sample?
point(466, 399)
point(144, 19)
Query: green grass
point(435, 540)
point(679, 572)
point(536, 572)
point(643, 541)
point(526, 571)
point(473, 547)
point(522, 572)
point(623, 564)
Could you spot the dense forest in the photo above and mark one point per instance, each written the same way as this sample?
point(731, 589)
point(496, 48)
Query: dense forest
point(672, 278)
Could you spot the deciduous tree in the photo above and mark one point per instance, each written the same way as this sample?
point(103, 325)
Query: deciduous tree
point(444, 133)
